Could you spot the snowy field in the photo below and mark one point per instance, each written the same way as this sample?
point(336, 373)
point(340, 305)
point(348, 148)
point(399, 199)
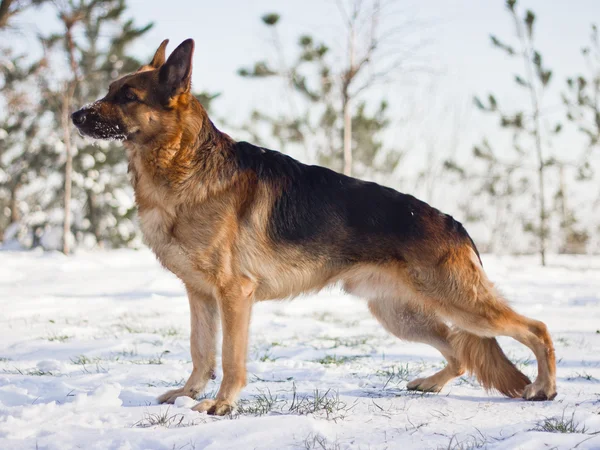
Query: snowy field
point(88, 342)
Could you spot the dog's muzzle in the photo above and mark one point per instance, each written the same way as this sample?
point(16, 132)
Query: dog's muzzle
point(90, 123)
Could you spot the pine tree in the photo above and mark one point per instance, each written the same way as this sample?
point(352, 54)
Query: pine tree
point(11, 8)
point(36, 100)
point(24, 156)
point(325, 113)
point(21, 157)
point(102, 202)
point(582, 100)
point(583, 94)
point(526, 124)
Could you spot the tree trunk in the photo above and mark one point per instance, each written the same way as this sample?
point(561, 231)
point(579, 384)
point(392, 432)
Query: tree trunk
point(5, 12)
point(14, 207)
point(527, 56)
point(346, 106)
point(66, 125)
point(347, 138)
point(93, 216)
point(542, 200)
point(68, 171)
point(563, 194)
point(541, 167)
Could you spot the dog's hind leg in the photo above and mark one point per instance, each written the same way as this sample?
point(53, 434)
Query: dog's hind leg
point(462, 293)
point(408, 322)
point(204, 317)
point(481, 354)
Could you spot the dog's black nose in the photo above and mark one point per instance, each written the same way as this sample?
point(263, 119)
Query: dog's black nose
point(78, 117)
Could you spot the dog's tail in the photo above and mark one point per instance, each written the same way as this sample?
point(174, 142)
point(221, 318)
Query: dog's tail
point(484, 358)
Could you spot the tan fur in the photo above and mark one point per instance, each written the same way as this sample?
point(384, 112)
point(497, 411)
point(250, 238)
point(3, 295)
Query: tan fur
point(410, 321)
point(204, 317)
point(413, 303)
point(484, 358)
point(194, 227)
point(206, 222)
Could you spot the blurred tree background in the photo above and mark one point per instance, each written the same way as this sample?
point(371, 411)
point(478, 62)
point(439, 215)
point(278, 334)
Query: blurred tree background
point(55, 182)
point(323, 118)
point(529, 187)
point(522, 193)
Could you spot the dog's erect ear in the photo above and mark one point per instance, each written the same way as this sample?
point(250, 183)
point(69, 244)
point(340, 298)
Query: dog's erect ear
point(159, 56)
point(176, 74)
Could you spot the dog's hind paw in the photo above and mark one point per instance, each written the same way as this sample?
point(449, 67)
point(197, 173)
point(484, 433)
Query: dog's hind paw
point(534, 392)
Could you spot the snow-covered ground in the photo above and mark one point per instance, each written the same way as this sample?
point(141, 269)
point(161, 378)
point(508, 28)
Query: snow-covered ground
point(89, 341)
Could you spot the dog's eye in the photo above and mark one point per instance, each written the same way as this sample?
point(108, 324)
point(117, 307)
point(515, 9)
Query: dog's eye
point(129, 96)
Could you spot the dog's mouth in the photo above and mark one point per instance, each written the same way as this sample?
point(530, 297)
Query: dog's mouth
point(88, 124)
point(102, 131)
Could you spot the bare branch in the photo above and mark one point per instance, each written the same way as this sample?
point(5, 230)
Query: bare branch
point(5, 12)
point(343, 12)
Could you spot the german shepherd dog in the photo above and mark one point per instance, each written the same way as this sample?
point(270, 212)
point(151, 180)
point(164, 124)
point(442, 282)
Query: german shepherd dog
point(240, 224)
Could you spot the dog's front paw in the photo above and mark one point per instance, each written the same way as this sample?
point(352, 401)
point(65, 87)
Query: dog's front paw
point(214, 407)
point(423, 385)
point(170, 396)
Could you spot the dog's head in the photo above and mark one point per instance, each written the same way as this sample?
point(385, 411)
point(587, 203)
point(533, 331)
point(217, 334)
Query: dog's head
point(145, 105)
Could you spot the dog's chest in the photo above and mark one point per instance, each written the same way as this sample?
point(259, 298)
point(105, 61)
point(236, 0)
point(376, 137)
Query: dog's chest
point(157, 228)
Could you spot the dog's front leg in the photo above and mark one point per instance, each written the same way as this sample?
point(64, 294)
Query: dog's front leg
point(204, 315)
point(235, 305)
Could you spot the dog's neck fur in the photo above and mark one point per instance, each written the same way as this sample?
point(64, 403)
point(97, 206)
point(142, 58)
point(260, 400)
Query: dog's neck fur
point(177, 167)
